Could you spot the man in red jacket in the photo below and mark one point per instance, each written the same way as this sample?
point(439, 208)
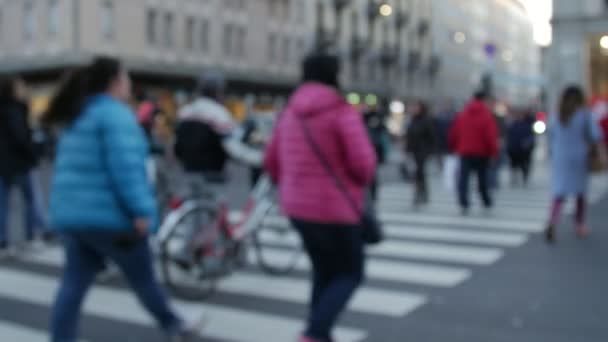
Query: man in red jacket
point(474, 138)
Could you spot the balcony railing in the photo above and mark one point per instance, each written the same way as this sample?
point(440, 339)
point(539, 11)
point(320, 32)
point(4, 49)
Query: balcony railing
point(414, 61)
point(402, 19)
point(388, 56)
point(434, 65)
point(340, 5)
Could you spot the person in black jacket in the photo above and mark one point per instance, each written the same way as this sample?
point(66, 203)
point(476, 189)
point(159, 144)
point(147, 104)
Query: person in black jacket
point(520, 145)
point(17, 157)
point(207, 136)
point(421, 143)
point(375, 118)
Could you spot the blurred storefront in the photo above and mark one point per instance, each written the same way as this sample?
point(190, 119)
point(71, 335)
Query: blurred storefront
point(579, 53)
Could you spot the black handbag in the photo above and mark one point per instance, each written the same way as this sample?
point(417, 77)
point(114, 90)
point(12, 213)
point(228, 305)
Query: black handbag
point(372, 231)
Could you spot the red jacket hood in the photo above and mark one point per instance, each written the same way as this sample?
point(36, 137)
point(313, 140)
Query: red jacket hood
point(475, 132)
point(477, 107)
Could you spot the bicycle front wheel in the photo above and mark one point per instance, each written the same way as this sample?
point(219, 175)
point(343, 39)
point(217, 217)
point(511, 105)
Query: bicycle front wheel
point(188, 272)
point(277, 246)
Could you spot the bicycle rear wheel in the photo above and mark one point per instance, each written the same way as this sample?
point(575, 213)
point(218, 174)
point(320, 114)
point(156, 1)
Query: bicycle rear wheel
point(277, 246)
point(188, 271)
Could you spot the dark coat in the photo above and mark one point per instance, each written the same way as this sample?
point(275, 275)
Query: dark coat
point(378, 134)
point(520, 136)
point(475, 132)
point(17, 153)
point(421, 137)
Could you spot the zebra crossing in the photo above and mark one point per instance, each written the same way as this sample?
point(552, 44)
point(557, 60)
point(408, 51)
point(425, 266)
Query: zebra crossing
point(427, 252)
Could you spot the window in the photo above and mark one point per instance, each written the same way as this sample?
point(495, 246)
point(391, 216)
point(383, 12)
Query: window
point(286, 50)
point(272, 47)
point(355, 24)
point(168, 30)
point(151, 24)
point(320, 16)
point(228, 39)
point(29, 21)
point(205, 35)
point(241, 41)
point(235, 4)
point(385, 33)
point(301, 45)
point(273, 8)
point(285, 9)
point(54, 18)
point(107, 20)
point(301, 11)
point(355, 71)
point(190, 33)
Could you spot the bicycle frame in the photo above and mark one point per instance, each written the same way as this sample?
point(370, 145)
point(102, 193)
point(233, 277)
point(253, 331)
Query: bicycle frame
point(254, 211)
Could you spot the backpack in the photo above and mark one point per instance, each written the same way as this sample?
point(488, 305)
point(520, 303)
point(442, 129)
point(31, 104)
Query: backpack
point(199, 147)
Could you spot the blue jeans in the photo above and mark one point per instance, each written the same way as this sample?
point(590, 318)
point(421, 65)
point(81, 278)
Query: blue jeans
point(32, 214)
point(336, 253)
point(86, 253)
point(480, 166)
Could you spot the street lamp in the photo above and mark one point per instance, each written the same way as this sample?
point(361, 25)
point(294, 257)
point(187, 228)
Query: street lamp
point(386, 10)
point(460, 37)
point(379, 8)
point(604, 42)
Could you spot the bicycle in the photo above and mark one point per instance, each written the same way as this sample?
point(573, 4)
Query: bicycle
point(199, 243)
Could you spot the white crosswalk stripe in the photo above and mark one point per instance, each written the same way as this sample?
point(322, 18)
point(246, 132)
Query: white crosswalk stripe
point(426, 251)
point(16, 332)
point(122, 306)
point(419, 250)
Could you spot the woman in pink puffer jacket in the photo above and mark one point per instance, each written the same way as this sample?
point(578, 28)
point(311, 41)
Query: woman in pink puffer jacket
point(321, 213)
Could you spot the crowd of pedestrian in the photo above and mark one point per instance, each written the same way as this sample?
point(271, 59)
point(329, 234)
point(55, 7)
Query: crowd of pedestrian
point(18, 158)
point(322, 154)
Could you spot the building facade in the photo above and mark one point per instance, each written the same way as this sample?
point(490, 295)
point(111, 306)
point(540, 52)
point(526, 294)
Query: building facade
point(430, 49)
point(487, 44)
point(251, 40)
point(435, 49)
point(579, 53)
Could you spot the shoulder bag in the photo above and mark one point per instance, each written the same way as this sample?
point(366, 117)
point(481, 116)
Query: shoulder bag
point(372, 232)
point(598, 158)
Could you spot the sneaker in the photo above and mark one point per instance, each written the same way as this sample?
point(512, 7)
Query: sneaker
point(189, 331)
point(304, 338)
point(110, 272)
point(33, 246)
point(582, 231)
point(6, 251)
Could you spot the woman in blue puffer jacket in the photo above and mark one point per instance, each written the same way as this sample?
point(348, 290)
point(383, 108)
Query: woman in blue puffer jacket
point(102, 203)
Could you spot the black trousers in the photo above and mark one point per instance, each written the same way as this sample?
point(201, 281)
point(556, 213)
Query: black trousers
point(337, 257)
point(479, 166)
point(420, 181)
point(521, 161)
